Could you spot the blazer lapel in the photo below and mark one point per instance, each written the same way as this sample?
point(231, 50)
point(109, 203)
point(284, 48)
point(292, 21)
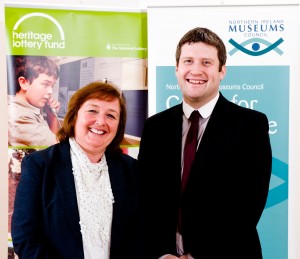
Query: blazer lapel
point(116, 181)
point(66, 185)
point(216, 125)
point(117, 185)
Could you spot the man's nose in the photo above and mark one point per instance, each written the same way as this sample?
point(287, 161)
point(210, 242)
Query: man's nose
point(197, 68)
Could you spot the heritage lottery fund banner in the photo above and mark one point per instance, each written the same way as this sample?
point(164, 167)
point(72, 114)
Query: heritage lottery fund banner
point(53, 32)
point(260, 70)
point(87, 46)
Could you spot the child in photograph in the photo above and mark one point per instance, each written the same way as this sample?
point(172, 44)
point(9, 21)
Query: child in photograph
point(32, 119)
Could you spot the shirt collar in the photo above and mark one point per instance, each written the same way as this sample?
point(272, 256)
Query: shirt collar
point(204, 110)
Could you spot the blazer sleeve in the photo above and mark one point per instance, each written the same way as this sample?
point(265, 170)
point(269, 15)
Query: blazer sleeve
point(27, 216)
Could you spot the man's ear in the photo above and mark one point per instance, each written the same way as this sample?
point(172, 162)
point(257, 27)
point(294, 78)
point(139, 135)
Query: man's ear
point(23, 82)
point(223, 72)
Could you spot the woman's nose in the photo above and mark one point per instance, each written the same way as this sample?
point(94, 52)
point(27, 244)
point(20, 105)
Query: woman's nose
point(100, 119)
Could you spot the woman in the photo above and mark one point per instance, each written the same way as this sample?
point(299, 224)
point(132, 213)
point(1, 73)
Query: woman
point(78, 198)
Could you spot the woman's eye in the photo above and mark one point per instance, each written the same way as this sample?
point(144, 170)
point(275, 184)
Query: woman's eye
point(111, 116)
point(92, 111)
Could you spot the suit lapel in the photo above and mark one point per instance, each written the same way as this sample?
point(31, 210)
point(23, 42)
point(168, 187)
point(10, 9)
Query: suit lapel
point(212, 142)
point(175, 132)
point(66, 186)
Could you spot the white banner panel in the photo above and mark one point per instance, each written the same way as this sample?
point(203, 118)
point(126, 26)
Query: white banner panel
point(262, 72)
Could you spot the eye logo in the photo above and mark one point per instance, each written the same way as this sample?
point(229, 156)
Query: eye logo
point(256, 47)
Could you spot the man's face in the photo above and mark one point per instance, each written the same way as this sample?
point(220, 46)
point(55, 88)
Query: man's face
point(198, 73)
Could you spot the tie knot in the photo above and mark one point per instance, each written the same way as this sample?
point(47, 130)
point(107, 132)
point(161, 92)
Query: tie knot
point(194, 118)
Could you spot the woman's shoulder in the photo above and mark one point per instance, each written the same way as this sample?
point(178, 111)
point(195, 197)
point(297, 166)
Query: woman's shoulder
point(119, 157)
point(50, 151)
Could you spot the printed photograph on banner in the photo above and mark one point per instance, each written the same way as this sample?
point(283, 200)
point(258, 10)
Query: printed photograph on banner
point(32, 101)
point(129, 74)
point(39, 89)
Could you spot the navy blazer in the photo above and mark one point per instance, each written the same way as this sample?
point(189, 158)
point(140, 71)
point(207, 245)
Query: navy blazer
point(45, 222)
point(227, 189)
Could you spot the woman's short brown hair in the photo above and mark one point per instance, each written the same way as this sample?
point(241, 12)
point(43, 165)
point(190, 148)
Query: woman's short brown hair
point(95, 90)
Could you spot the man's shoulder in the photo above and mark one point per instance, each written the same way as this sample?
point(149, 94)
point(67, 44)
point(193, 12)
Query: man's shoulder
point(244, 111)
point(120, 156)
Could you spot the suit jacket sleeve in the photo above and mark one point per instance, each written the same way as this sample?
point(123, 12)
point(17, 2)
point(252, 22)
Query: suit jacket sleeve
point(26, 221)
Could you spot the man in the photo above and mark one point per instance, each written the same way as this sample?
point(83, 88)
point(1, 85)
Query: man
point(227, 186)
point(35, 77)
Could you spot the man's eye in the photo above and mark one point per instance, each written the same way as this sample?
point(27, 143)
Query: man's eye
point(188, 61)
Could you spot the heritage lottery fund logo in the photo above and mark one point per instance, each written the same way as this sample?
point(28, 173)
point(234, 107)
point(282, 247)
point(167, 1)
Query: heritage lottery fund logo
point(37, 40)
point(256, 33)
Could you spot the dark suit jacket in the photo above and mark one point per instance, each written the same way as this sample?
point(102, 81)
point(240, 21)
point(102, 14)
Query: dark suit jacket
point(227, 189)
point(45, 221)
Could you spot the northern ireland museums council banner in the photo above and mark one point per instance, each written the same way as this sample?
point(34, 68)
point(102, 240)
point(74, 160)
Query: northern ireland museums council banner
point(86, 46)
point(261, 42)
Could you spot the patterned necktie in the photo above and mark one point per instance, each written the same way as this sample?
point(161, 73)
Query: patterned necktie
point(190, 148)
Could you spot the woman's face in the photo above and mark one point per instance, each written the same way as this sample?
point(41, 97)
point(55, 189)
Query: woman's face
point(96, 125)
